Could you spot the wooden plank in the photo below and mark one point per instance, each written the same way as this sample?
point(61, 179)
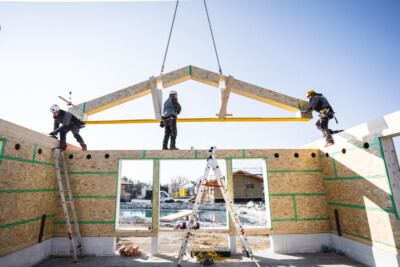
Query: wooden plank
point(173, 217)
point(225, 97)
point(205, 76)
point(175, 77)
point(393, 169)
point(270, 97)
point(155, 97)
point(111, 100)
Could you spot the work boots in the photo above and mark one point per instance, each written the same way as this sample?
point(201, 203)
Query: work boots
point(84, 146)
point(62, 146)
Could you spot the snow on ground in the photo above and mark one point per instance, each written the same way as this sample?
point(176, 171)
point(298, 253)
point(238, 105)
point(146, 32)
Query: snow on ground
point(251, 214)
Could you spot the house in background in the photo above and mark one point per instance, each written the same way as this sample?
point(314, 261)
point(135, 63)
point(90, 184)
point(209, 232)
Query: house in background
point(247, 187)
point(127, 190)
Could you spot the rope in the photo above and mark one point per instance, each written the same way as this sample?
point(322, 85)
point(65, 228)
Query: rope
point(212, 35)
point(169, 38)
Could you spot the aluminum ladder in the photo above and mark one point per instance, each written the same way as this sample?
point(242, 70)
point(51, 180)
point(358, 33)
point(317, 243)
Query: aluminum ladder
point(76, 241)
point(212, 163)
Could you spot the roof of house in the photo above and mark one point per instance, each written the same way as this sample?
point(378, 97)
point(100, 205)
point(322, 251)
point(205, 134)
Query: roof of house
point(240, 172)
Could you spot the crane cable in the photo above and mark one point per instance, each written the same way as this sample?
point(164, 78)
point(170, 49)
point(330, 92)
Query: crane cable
point(212, 35)
point(170, 33)
point(169, 38)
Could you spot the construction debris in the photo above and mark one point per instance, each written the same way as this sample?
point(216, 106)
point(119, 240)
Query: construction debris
point(131, 251)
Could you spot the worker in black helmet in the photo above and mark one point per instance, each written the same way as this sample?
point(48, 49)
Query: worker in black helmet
point(170, 112)
point(320, 104)
point(69, 123)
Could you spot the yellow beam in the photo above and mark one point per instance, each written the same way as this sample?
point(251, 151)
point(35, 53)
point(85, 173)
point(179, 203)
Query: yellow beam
point(200, 120)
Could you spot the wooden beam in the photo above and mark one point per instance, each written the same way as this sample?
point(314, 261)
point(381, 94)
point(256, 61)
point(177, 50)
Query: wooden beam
point(225, 97)
point(111, 100)
point(156, 96)
point(270, 97)
point(199, 120)
point(204, 76)
point(175, 77)
point(393, 169)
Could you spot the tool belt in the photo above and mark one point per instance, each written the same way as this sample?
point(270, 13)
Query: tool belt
point(165, 122)
point(326, 112)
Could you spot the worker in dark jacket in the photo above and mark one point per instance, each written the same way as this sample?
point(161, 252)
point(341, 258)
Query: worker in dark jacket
point(170, 112)
point(320, 104)
point(69, 123)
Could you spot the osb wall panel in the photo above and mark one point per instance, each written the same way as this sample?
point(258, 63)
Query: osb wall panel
point(25, 150)
point(359, 162)
point(295, 182)
point(359, 188)
point(89, 209)
point(282, 207)
point(23, 175)
point(303, 227)
point(86, 182)
point(25, 179)
point(360, 192)
point(367, 225)
point(311, 207)
point(93, 184)
point(87, 230)
point(328, 170)
point(288, 161)
point(11, 237)
point(16, 207)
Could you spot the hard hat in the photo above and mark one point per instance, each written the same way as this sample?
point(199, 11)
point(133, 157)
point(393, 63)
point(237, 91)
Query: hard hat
point(172, 92)
point(309, 93)
point(54, 108)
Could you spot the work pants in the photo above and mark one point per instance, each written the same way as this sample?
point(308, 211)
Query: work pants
point(322, 125)
point(170, 131)
point(75, 131)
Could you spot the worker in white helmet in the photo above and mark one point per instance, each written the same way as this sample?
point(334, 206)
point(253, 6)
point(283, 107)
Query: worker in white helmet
point(170, 112)
point(69, 123)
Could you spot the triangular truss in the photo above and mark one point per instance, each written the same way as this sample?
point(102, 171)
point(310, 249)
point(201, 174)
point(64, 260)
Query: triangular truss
point(151, 86)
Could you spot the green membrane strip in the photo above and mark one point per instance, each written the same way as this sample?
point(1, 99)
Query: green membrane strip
point(25, 221)
point(360, 207)
point(366, 177)
point(28, 161)
point(272, 171)
point(366, 238)
point(26, 190)
point(3, 144)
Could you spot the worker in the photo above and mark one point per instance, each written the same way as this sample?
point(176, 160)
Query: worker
point(320, 104)
point(69, 123)
point(170, 112)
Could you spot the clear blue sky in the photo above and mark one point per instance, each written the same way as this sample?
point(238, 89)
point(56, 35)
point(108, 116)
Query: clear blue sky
point(346, 49)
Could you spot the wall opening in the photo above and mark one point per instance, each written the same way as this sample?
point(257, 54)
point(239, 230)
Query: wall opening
point(179, 182)
point(251, 192)
point(135, 194)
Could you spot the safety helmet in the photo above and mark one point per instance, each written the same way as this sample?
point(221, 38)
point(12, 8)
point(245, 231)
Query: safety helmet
point(54, 108)
point(309, 93)
point(172, 92)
